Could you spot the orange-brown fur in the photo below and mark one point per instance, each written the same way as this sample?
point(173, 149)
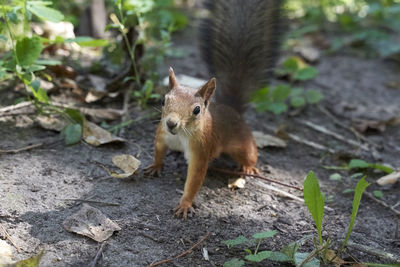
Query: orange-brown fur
point(217, 129)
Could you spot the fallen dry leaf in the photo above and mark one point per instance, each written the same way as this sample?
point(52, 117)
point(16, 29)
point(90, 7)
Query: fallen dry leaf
point(236, 183)
point(129, 164)
point(54, 123)
point(265, 140)
point(96, 136)
point(362, 125)
point(6, 254)
point(330, 254)
point(90, 222)
point(389, 179)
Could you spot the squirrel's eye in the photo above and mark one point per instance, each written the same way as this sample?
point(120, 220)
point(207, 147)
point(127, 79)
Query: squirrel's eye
point(163, 102)
point(196, 110)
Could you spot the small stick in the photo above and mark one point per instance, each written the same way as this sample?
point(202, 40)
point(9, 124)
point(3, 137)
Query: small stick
point(7, 236)
point(368, 194)
point(17, 106)
point(183, 253)
point(306, 142)
point(14, 151)
point(373, 251)
point(339, 123)
point(326, 131)
point(284, 193)
point(96, 258)
point(257, 176)
point(90, 201)
point(125, 107)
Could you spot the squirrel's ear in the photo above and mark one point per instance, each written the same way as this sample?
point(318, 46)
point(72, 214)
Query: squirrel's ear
point(173, 83)
point(208, 89)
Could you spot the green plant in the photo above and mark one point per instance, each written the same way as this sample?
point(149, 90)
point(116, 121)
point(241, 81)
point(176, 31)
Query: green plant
point(315, 201)
point(24, 62)
point(154, 21)
point(277, 99)
point(359, 164)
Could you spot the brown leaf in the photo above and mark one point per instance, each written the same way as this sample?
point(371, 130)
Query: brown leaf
point(236, 183)
point(90, 222)
point(129, 164)
point(389, 179)
point(363, 126)
point(266, 140)
point(54, 123)
point(96, 136)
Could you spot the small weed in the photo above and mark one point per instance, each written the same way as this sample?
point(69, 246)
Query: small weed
point(315, 202)
point(278, 99)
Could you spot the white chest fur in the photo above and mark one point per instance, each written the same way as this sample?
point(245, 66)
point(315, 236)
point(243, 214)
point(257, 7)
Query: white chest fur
point(178, 142)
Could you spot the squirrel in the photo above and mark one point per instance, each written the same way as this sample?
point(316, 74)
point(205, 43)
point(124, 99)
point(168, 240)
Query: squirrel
point(239, 42)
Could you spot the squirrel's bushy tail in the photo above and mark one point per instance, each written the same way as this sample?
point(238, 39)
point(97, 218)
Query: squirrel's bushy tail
point(239, 41)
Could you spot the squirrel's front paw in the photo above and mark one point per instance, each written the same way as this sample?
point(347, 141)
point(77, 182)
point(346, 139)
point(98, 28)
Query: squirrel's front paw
point(184, 208)
point(250, 170)
point(153, 170)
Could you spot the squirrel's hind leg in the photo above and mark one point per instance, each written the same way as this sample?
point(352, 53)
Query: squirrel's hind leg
point(245, 154)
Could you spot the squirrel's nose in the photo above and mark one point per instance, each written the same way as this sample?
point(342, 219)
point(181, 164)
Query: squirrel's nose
point(171, 124)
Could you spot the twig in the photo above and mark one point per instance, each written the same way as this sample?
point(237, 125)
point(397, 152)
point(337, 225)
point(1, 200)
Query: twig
point(14, 151)
point(284, 193)
point(125, 107)
point(257, 176)
point(368, 194)
point(326, 131)
point(306, 142)
point(183, 253)
point(15, 107)
point(91, 201)
point(7, 236)
point(376, 252)
point(96, 258)
point(350, 128)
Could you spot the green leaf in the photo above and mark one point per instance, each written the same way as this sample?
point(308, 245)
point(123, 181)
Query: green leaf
point(297, 92)
point(335, 177)
point(347, 191)
point(280, 93)
point(315, 201)
point(291, 249)
point(72, 134)
point(358, 163)
point(30, 262)
point(290, 65)
point(38, 93)
point(297, 101)
point(299, 257)
point(382, 167)
point(378, 193)
point(44, 12)
point(356, 175)
point(260, 256)
point(279, 256)
point(277, 108)
point(75, 116)
point(234, 263)
point(49, 62)
point(248, 251)
point(28, 50)
point(360, 187)
point(313, 96)
point(306, 73)
point(234, 242)
point(87, 41)
point(263, 235)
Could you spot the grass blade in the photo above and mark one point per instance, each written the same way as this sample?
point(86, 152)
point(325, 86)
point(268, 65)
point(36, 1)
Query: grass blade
point(315, 201)
point(360, 187)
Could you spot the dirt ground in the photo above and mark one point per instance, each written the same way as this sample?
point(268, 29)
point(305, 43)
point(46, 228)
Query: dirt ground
point(34, 184)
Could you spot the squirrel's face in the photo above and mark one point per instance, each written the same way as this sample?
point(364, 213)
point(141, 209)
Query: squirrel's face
point(183, 107)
